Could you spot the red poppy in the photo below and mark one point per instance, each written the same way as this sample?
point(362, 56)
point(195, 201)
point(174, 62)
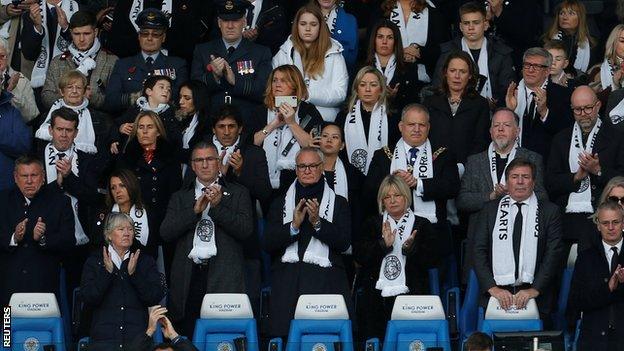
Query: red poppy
point(132, 69)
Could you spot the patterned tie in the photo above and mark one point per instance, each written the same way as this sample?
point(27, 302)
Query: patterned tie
point(149, 62)
point(413, 153)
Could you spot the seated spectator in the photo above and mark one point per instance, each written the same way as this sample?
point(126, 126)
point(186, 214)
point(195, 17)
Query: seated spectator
point(607, 77)
point(367, 122)
point(543, 108)
point(613, 191)
point(570, 26)
point(145, 341)
point(597, 283)
point(15, 140)
point(342, 27)
point(582, 159)
point(234, 68)
point(478, 341)
point(126, 80)
point(156, 98)
point(276, 126)
point(124, 196)
point(318, 57)
point(306, 231)
point(45, 34)
point(119, 285)
point(85, 55)
point(193, 112)
point(207, 221)
point(11, 21)
point(515, 259)
point(93, 127)
point(492, 57)
point(423, 28)
point(560, 62)
point(267, 24)
point(18, 85)
point(385, 52)
point(395, 250)
point(36, 230)
point(459, 115)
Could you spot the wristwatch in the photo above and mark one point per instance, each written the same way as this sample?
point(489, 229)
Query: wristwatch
point(265, 132)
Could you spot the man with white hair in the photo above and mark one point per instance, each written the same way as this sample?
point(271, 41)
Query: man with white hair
point(11, 81)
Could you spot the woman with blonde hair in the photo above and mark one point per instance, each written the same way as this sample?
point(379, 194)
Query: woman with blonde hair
point(282, 125)
point(609, 75)
point(570, 26)
point(319, 59)
point(613, 191)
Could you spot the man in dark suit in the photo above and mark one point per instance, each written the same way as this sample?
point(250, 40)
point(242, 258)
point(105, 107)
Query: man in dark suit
point(36, 228)
point(583, 158)
point(209, 220)
point(484, 178)
point(500, 72)
point(234, 69)
point(267, 24)
point(597, 288)
point(517, 245)
point(543, 107)
point(126, 80)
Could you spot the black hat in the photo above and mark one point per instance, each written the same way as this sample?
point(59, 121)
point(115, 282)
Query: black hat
point(152, 18)
point(229, 10)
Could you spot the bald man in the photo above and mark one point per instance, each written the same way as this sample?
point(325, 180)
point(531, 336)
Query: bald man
point(582, 159)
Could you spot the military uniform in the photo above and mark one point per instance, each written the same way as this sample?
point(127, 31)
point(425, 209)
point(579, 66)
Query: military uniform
point(130, 72)
point(250, 62)
point(98, 77)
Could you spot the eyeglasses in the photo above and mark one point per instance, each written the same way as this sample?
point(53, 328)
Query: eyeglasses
point(209, 159)
point(584, 109)
point(616, 199)
point(146, 34)
point(533, 66)
point(302, 167)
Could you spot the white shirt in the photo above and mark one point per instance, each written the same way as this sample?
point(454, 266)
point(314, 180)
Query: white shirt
point(609, 253)
point(153, 56)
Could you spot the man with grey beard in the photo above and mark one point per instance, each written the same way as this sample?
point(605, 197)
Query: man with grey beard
point(484, 178)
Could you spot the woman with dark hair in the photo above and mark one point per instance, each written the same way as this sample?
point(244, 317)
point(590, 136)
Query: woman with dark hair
point(194, 117)
point(459, 116)
point(423, 28)
point(281, 129)
point(385, 52)
point(570, 26)
point(124, 195)
point(155, 97)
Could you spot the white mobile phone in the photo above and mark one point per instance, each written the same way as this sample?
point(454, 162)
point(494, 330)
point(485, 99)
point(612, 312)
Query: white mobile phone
point(288, 100)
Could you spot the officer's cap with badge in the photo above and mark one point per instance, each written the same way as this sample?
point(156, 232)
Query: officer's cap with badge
point(152, 18)
point(231, 10)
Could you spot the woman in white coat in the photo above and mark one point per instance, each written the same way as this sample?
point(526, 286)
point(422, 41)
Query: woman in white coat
point(320, 60)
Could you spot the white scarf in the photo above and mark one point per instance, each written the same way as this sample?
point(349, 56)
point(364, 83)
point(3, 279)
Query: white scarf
point(51, 156)
point(141, 225)
point(360, 148)
point(486, 91)
point(331, 19)
point(416, 29)
point(390, 68)
point(606, 75)
point(144, 105)
point(503, 260)
point(392, 271)
point(85, 139)
point(274, 144)
point(189, 132)
point(60, 44)
point(423, 169)
point(229, 150)
point(341, 184)
point(317, 252)
point(117, 261)
point(582, 53)
point(137, 7)
point(204, 239)
point(493, 171)
point(85, 60)
point(580, 200)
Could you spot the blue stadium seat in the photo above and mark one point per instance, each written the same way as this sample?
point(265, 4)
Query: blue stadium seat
point(499, 320)
point(225, 319)
point(434, 281)
point(321, 324)
point(559, 318)
point(417, 322)
point(35, 322)
point(469, 312)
